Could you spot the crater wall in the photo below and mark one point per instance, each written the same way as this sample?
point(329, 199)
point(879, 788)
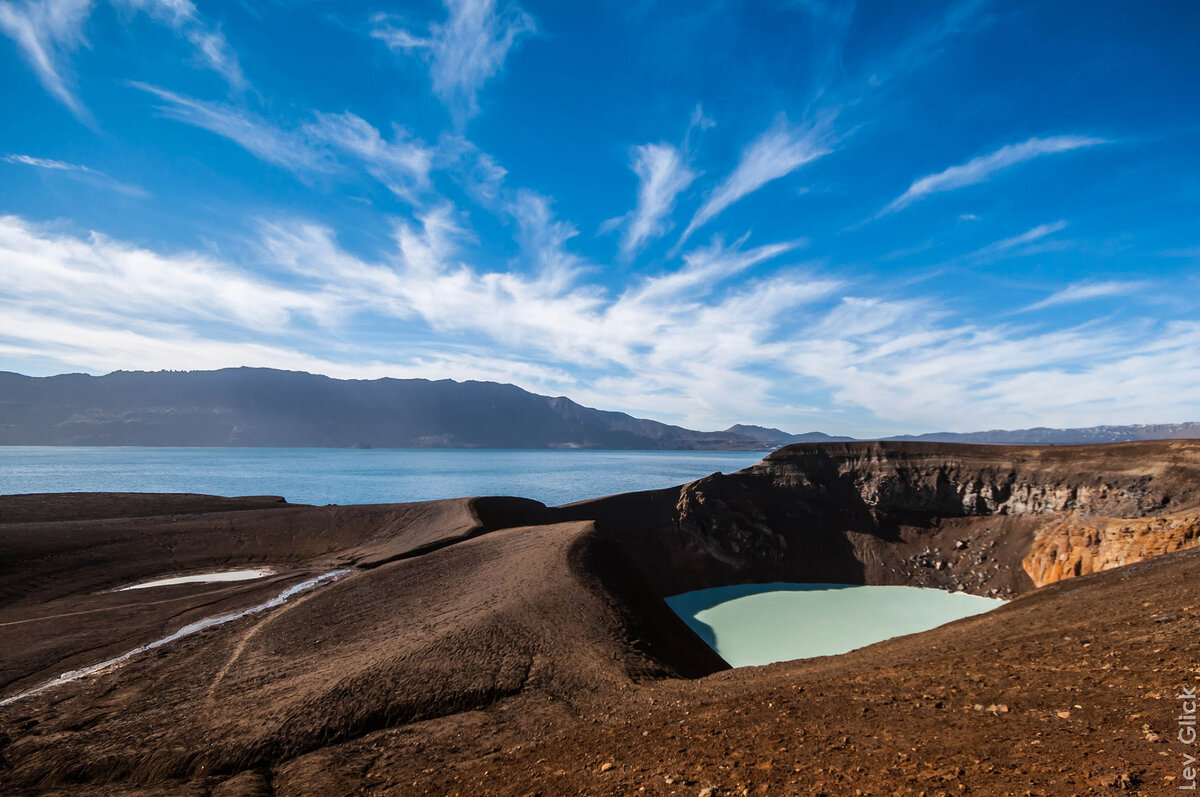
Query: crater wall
point(992, 520)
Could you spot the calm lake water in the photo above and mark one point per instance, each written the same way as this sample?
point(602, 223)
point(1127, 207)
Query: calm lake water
point(343, 476)
point(753, 624)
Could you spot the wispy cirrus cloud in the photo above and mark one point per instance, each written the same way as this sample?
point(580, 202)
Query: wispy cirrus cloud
point(663, 173)
point(480, 175)
point(96, 275)
point(778, 152)
point(668, 344)
point(212, 49)
point(402, 164)
point(679, 336)
point(77, 172)
point(1086, 291)
point(930, 41)
point(980, 169)
point(47, 32)
point(274, 144)
point(465, 51)
point(1018, 242)
point(543, 239)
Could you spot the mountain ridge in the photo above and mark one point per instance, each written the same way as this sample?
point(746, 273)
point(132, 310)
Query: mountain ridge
point(267, 407)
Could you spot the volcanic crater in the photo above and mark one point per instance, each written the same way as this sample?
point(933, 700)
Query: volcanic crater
point(499, 646)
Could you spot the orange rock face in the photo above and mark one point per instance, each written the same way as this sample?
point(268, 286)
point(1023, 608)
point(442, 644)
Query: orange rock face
point(1078, 546)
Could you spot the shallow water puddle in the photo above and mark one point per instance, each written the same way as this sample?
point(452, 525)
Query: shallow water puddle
point(751, 624)
point(187, 630)
point(204, 578)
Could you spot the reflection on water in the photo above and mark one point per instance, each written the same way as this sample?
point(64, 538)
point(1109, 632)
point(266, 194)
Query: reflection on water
point(751, 624)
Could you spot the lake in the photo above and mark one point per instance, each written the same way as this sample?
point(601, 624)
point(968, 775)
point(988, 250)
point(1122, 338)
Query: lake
point(751, 624)
point(345, 476)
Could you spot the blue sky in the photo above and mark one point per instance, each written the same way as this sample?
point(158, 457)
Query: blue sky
point(864, 218)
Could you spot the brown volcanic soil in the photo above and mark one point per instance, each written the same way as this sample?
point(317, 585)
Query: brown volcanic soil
point(494, 646)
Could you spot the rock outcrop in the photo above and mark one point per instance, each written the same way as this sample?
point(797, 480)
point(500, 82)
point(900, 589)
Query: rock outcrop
point(928, 514)
point(1079, 546)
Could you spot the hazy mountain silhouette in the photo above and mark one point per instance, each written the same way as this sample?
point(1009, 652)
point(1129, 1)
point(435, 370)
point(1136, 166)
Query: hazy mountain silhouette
point(265, 407)
point(1043, 435)
point(780, 437)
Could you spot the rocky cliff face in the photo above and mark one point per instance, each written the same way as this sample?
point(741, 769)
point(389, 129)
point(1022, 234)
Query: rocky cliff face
point(1079, 546)
point(732, 532)
point(956, 480)
point(1089, 509)
point(985, 519)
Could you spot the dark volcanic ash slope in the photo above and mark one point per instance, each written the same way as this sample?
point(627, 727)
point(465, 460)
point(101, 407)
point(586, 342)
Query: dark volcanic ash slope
point(457, 629)
point(495, 646)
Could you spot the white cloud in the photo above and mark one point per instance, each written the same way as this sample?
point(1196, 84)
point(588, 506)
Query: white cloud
point(777, 153)
point(44, 163)
point(921, 369)
point(1085, 291)
point(100, 277)
point(979, 169)
point(78, 172)
point(706, 268)
point(465, 51)
point(543, 240)
point(47, 32)
point(477, 171)
point(285, 148)
point(731, 334)
point(1028, 237)
point(929, 41)
point(684, 335)
point(208, 41)
point(662, 174)
point(402, 164)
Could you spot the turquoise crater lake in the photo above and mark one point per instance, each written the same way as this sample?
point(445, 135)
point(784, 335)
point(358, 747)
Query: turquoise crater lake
point(753, 624)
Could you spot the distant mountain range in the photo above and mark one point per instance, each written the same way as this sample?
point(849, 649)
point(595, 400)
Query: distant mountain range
point(778, 437)
point(264, 407)
point(1042, 435)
